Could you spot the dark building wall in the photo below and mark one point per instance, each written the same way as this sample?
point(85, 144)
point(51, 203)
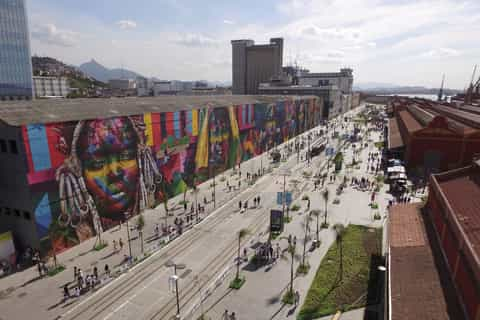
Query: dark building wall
point(420, 149)
point(454, 252)
point(78, 171)
point(16, 213)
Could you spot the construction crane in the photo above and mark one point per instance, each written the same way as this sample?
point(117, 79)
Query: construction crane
point(471, 88)
point(440, 92)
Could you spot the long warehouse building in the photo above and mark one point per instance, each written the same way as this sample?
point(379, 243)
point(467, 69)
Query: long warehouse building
point(76, 167)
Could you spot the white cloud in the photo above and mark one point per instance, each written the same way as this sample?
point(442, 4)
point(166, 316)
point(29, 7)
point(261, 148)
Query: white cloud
point(441, 53)
point(195, 40)
point(226, 21)
point(50, 34)
point(126, 24)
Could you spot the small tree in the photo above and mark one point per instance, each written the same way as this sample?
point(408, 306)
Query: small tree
point(140, 226)
point(241, 234)
point(325, 195)
point(340, 231)
point(305, 239)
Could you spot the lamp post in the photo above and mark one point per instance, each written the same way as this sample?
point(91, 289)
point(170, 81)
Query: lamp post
point(175, 278)
point(284, 195)
point(128, 235)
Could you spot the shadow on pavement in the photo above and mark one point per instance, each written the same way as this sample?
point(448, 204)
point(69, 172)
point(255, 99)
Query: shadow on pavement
point(31, 281)
point(109, 255)
point(229, 290)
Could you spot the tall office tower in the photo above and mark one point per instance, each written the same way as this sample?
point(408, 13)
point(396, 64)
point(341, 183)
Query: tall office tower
point(253, 64)
point(15, 58)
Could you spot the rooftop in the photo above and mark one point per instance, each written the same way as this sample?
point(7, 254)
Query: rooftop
point(17, 113)
point(394, 137)
point(460, 190)
point(419, 280)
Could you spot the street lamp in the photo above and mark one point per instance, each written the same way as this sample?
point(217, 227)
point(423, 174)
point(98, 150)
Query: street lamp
point(128, 235)
point(175, 278)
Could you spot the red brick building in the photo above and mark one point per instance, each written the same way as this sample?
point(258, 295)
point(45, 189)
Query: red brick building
point(432, 137)
point(454, 208)
point(419, 283)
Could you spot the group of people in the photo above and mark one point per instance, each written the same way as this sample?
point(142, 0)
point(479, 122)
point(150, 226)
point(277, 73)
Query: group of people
point(244, 206)
point(374, 162)
point(84, 283)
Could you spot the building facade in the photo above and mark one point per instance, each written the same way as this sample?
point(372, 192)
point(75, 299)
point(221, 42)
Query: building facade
point(343, 80)
point(121, 84)
point(432, 137)
point(50, 87)
point(453, 208)
point(57, 175)
point(15, 58)
point(253, 64)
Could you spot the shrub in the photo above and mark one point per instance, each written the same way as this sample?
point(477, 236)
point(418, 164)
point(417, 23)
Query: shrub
point(237, 283)
point(56, 270)
point(288, 297)
point(377, 216)
point(374, 205)
point(295, 207)
point(325, 225)
point(100, 246)
point(303, 268)
point(305, 197)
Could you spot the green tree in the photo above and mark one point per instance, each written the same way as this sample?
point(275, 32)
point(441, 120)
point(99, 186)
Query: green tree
point(340, 232)
point(317, 213)
point(61, 233)
point(241, 234)
point(325, 195)
point(140, 226)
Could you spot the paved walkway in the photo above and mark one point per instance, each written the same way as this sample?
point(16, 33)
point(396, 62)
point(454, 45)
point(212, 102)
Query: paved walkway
point(260, 297)
point(33, 297)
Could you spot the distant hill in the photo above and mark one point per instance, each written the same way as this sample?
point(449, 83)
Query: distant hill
point(410, 90)
point(101, 73)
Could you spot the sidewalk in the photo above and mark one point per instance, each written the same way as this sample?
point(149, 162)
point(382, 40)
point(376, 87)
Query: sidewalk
point(260, 297)
point(26, 287)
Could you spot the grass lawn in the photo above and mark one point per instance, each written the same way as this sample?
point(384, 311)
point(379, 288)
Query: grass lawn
point(328, 293)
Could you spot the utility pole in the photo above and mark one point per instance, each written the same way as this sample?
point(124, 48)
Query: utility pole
point(175, 278)
point(214, 201)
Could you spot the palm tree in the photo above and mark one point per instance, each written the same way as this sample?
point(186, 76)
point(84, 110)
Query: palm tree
point(325, 195)
point(292, 244)
point(306, 238)
point(340, 232)
point(241, 234)
point(317, 213)
point(140, 226)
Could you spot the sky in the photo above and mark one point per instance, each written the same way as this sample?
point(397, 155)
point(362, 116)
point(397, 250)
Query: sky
point(398, 42)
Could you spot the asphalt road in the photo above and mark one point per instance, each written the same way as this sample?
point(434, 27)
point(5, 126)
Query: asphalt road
point(207, 250)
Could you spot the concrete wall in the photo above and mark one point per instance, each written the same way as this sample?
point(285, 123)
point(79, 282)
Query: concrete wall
point(16, 211)
point(107, 154)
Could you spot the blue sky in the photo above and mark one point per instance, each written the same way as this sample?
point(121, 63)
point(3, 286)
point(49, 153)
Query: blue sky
point(393, 41)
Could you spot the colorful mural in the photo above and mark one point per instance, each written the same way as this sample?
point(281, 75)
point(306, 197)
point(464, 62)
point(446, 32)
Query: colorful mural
point(88, 175)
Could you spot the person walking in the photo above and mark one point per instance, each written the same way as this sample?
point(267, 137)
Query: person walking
point(114, 245)
point(66, 292)
point(240, 205)
point(232, 316)
point(107, 270)
point(120, 242)
point(75, 272)
point(225, 315)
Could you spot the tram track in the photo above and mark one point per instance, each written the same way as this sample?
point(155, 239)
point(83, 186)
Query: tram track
point(91, 310)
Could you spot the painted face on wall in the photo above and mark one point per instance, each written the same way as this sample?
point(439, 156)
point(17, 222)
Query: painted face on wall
point(107, 149)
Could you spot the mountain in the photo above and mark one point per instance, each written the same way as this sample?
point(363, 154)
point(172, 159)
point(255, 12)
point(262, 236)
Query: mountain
point(372, 85)
point(101, 73)
point(409, 90)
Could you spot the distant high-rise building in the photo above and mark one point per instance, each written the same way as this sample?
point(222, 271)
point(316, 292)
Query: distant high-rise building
point(15, 58)
point(45, 87)
point(253, 64)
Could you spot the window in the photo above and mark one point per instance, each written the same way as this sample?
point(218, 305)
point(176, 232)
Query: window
point(3, 146)
point(13, 146)
point(17, 212)
point(26, 215)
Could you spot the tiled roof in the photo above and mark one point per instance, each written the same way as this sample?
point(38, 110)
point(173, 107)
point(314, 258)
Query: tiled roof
point(409, 121)
point(462, 192)
point(17, 113)
point(394, 137)
point(420, 285)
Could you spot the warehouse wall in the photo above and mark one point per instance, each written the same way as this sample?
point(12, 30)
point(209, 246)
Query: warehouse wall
point(97, 170)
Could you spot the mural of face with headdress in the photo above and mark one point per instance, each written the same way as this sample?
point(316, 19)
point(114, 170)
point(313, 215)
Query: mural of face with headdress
point(110, 172)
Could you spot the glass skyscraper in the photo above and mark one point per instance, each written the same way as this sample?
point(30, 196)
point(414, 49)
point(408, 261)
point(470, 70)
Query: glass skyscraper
point(15, 59)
